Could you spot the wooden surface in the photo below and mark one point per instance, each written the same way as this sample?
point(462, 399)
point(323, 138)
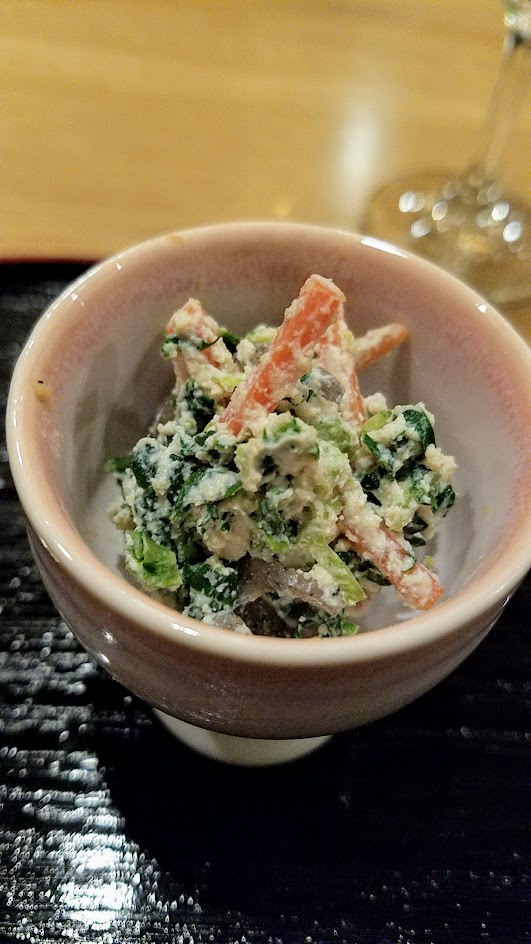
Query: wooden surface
point(120, 119)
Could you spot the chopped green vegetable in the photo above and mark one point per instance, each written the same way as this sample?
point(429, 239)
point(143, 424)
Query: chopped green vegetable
point(413, 531)
point(154, 565)
point(199, 404)
point(445, 500)
point(377, 421)
point(144, 462)
point(217, 583)
point(285, 425)
point(325, 624)
point(316, 547)
point(119, 463)
point(382, 453)
point(336, 432)
point(276, 531)
point(207, 485)
point(422, 426)
point(173, 343)
point(363, 568)
point(231, 340)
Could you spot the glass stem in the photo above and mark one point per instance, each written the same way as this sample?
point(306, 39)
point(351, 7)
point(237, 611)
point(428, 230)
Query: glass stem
point(507, 99)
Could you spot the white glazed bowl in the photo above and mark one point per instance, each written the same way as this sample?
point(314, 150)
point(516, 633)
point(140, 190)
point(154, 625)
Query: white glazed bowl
point(96, 349)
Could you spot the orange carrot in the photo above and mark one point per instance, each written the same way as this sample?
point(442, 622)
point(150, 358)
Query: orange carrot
point(377, 343)
point(416, 585)
point(318, 305)
point(335, 355)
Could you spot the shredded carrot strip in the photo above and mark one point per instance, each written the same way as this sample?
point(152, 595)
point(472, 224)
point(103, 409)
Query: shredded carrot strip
point(417, 586)
point(335, 355)
point(318, 305)
point(377, 343)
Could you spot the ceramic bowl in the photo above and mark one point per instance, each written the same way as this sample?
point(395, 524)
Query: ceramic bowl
point(87, 386)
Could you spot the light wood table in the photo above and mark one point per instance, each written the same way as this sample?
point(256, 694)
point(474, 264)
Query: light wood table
point(120, 119)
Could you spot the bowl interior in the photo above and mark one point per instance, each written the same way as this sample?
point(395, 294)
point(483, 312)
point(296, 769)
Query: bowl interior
point(98, 351)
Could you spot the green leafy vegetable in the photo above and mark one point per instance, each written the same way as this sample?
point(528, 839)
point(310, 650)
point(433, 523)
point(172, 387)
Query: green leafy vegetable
point(277, 532)
point(413, 531)
point(335, 432)
point(377, 421)
point(181, 473)
point(326, 624)
point(422, 426)
point(363, 568)
point(119, 463)
point(231, 340)
point(173, 343)
point(315, 545)
point(200, 405)
point(207, 485)
point(153, 564)
point(144, 462)
point(382, 453)
point(445, 500)
point(398, 457)
point(219, 584)
point(287, 425)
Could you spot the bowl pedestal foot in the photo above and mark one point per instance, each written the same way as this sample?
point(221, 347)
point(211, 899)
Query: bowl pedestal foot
point(242, 751)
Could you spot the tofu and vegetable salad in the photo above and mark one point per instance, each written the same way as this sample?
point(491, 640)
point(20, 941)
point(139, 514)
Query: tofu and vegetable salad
point(270, 496)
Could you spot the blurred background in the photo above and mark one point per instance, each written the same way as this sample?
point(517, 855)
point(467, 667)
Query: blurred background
point(121, 119)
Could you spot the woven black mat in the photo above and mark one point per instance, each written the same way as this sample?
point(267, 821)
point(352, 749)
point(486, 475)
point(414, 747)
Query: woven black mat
point(411, 830)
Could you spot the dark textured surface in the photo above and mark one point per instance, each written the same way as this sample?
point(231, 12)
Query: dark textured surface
point(414, 829)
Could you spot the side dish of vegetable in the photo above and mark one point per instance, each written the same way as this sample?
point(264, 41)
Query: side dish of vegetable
point(270, 496)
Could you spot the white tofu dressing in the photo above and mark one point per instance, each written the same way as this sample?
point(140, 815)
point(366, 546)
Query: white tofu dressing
point(292, 526)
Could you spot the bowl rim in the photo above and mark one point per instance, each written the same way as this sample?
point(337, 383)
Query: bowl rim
point(485, 592)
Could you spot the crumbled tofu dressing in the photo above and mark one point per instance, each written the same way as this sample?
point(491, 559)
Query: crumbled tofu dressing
point(296, 490)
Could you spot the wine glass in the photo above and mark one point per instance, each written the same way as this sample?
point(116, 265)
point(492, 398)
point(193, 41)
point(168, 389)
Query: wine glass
point(467, 224)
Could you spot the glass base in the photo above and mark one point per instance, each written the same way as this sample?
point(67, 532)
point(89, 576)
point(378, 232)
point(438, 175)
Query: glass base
point(242, 751)
point(465, 225)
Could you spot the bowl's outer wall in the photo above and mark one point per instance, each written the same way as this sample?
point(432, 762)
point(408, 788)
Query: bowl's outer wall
point(249, 700)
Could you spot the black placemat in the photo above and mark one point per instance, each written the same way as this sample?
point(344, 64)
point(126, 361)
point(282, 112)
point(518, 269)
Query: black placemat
point(413, 829)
